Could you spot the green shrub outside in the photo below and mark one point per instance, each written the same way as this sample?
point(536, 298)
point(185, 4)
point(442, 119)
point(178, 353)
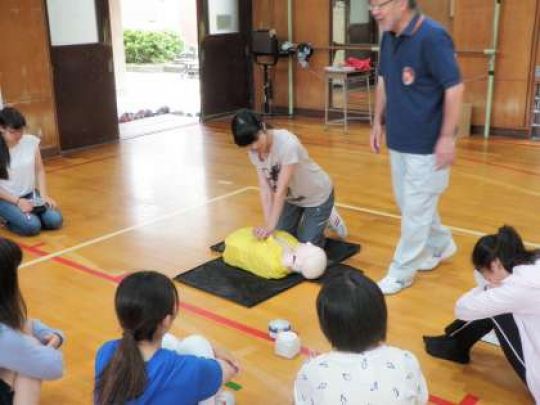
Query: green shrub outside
point(151, 47)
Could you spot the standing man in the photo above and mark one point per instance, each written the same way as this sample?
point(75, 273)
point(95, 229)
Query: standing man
point(418, 99)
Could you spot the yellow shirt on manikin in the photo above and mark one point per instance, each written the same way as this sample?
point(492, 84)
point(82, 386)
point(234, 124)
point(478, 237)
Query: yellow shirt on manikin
point(260, 257)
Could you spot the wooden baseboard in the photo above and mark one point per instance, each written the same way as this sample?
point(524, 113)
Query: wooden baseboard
point(50, 151)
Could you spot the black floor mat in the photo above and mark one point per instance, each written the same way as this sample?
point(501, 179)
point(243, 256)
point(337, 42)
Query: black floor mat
point(242, 287)
point(336, 250)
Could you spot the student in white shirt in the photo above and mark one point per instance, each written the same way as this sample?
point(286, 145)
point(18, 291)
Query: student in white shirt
point(506, 300)
point(361, 368)
point(25, 204)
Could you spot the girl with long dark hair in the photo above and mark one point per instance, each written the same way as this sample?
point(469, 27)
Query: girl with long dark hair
point(136, 369)
point(506, 300)
point(28, 348)
point(25, 204)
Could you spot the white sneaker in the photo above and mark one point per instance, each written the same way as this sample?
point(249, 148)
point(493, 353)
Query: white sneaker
point(439, 257)
point(391, 285)
point(337, 224)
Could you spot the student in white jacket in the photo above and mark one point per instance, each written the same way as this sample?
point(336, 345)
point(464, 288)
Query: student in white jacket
point(506, 300)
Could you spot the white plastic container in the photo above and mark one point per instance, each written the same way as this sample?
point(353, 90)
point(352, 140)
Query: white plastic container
point(287, 344)
point(278, 325)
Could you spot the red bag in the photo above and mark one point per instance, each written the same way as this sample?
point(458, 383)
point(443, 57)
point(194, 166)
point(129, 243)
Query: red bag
point(362, 65)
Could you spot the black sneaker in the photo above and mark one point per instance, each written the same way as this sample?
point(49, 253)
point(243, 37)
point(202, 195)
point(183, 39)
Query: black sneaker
point(447, 348)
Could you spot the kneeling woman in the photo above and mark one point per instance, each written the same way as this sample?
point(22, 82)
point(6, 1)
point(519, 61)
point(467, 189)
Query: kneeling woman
point(297, 195)
point(25, 204)
point(506, 300)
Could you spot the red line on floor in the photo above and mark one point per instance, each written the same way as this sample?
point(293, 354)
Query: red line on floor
point(75, 265)
point(469, 400)
point(39, 244)
point(439, 401)
point(204, 313)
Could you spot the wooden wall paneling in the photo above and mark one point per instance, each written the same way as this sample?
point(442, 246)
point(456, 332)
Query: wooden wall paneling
point(535, 61)
point(472, 31)
point(438, 10)
point(515, 39)
point(472, 24)
point(311, 24)
point(26, 67)
point(510, 104)
point(474, 73)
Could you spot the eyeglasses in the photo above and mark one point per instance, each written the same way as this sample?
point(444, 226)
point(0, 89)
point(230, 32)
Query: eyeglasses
point(373, 7)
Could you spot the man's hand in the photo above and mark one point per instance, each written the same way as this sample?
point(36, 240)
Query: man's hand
point(445, 152)
point(376, 137)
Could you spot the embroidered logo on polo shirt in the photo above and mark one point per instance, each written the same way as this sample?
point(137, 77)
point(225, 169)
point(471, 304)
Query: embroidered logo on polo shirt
point(408, 75)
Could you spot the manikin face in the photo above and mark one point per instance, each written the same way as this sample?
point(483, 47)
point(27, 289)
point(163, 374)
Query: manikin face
point(387, 13)
point(496, 272)
point(310, 260)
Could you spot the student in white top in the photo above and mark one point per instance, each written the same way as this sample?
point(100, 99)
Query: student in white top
point(361, 369)
point(297, 195)
point(507, 300)
point(25, 205)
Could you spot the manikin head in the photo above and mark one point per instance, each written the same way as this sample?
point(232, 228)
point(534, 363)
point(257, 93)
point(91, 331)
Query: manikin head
point(309, 260)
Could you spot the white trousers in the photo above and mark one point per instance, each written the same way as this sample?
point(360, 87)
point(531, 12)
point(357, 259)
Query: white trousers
point(417, 188)
point(195, 345)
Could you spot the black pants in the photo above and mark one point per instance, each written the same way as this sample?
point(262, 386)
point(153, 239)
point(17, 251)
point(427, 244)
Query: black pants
point(6, 393)
point(468, 333)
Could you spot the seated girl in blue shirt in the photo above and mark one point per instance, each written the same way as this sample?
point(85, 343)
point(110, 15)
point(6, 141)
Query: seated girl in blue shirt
point(136, 369)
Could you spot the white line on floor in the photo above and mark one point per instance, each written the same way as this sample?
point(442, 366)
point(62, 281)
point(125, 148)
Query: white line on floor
point(133, 227)
point(395, 216)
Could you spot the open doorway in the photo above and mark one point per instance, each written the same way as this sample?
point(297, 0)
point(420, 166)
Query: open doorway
point(156, 64)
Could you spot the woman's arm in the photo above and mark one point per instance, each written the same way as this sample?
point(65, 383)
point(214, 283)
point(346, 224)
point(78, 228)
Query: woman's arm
point(22, 203)
point(42, 180)
point(46, 335)
point(24, 355)
point(480, 303)
point(266, 195)
point(284, 179)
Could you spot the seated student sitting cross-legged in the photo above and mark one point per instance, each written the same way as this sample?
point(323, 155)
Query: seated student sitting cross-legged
point(146, 366)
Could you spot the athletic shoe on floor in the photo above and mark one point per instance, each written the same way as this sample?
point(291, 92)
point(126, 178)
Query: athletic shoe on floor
point(337, 224)
point(391, 285)
point(449, 251)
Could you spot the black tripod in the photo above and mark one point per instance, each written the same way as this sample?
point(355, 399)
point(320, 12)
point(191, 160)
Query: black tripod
point(265, 50)
point(268, 86)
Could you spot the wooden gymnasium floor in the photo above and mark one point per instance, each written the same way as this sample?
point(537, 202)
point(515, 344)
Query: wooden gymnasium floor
point(158, 202)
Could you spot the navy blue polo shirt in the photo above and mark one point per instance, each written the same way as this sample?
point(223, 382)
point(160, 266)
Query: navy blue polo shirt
point(417, 66)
